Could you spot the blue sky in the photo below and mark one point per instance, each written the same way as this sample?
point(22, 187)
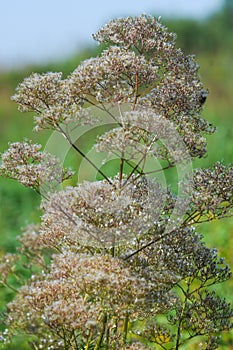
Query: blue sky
point(35, 31)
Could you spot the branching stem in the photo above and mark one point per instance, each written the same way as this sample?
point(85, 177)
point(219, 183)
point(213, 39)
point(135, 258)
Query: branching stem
point(66, 136)
point(101, 336)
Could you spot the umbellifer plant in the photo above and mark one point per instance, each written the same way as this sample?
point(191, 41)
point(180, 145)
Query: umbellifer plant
point(116, 263)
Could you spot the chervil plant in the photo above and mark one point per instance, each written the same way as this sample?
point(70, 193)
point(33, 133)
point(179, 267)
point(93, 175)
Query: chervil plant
point(116, 263)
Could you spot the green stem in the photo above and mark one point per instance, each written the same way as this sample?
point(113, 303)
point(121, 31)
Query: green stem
point(126, 326)
point(100, 339)
point(65, 340)
point(107, 339)
point(178, 335)
point(88, 342)
point(5, 284)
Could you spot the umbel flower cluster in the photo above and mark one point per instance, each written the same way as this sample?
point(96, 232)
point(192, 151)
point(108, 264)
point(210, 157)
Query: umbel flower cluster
point(117, 263)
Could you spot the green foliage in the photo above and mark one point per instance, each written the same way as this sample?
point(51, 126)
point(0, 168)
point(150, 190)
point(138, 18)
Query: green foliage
point(210, 36)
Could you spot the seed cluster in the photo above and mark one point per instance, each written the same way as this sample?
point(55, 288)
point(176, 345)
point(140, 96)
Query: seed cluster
point(24, 162)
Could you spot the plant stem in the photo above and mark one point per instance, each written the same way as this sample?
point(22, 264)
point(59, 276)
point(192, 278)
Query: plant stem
point(143, 159)
point(126, 326)
point(136, 90)
point(5, 284)
point(100, 339)
point(107, 339)
point(112, 251)
point(146, 246)
point(88, 342)
point(121, 167)
point(83, 154)
point(181, 317)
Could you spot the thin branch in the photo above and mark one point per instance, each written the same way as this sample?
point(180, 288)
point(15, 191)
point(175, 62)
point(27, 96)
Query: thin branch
point(136, 90)
point(142, 248)
point(5, 284)
point(178, 334)
point(140, 161)
point(101, 336)
point(83, 154)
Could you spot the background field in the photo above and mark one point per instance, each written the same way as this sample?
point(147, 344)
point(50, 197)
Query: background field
point(212, 43)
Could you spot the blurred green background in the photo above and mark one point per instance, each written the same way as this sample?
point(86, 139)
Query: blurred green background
point(211, 40)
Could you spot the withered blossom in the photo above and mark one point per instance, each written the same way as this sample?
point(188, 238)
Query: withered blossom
point(101, 213)
point(26, 163)
point(212, 196)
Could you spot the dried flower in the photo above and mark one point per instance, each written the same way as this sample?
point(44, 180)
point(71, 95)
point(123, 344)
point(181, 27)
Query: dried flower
point(23, 161)
point(104, 214)
point(212, 193)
